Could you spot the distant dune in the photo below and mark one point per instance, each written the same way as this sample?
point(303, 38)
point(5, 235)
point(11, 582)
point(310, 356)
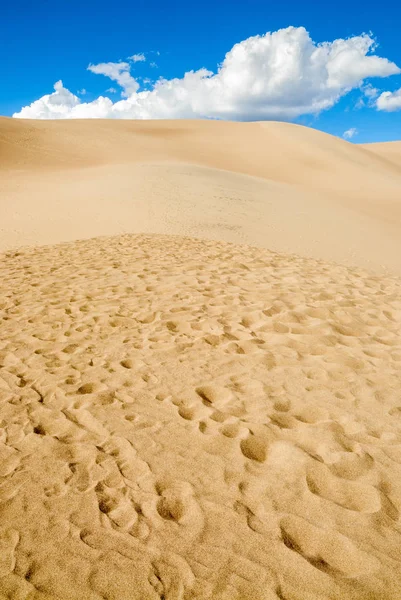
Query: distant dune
point(281, 186)
point(391, 151)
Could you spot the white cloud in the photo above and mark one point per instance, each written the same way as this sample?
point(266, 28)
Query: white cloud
point(369, 95)
point(57, 105)
point(62, 104)
point(118, 72)
point(350, 133)
point(279, 75)
point(137, 57)
point(112, 90)
point(370, 91)
point(82, 92)
point(389, 101)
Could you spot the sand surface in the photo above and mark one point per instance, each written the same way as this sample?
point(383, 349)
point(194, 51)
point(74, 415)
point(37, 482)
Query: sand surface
point(391, 151)
point(189, 419)
point(193, 419)
point(275, 185)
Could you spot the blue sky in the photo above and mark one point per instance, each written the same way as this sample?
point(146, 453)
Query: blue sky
point(41, 43)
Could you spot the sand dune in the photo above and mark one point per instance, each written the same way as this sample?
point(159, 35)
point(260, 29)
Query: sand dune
point(276, 185)
point(184, 418)
point(193, 419)
point(391, 151)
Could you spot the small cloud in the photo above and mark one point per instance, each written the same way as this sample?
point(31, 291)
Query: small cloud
point(153, 65)
point(389, 101)
point(370, 91)
point(137, 57)
point(112, 90)
point(118, 72)
point(147, 83)
point(82, 92)
point(369, 96)
point(350, 133)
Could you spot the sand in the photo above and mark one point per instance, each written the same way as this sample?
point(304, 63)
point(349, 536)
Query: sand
point(279, 186)
point(186, 418)
point(391, 151)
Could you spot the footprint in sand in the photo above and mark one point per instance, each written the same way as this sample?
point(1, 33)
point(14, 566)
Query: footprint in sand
point(115, 503)
point(9, 539)
point(326, 549)
point(255, 447)
point(356, 496)
point(352, 466)
point(177, 503)
point(234, 430)
point(213, 395)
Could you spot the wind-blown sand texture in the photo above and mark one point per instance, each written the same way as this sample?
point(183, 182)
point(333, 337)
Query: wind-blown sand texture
point(191, 419)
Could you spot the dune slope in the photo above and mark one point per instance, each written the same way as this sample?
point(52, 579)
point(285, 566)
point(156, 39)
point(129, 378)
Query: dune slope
point(390, 151)
point(187, 419)
point(276, 185)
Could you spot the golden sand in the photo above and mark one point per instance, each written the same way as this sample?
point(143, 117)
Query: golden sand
point(191, 419)
point(275, 185)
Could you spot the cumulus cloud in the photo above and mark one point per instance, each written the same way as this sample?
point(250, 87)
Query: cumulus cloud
point(279, 75)
point(118, 72)
point(137, 57)
point(57, 105)
point(389, 101)
point(350, 133)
